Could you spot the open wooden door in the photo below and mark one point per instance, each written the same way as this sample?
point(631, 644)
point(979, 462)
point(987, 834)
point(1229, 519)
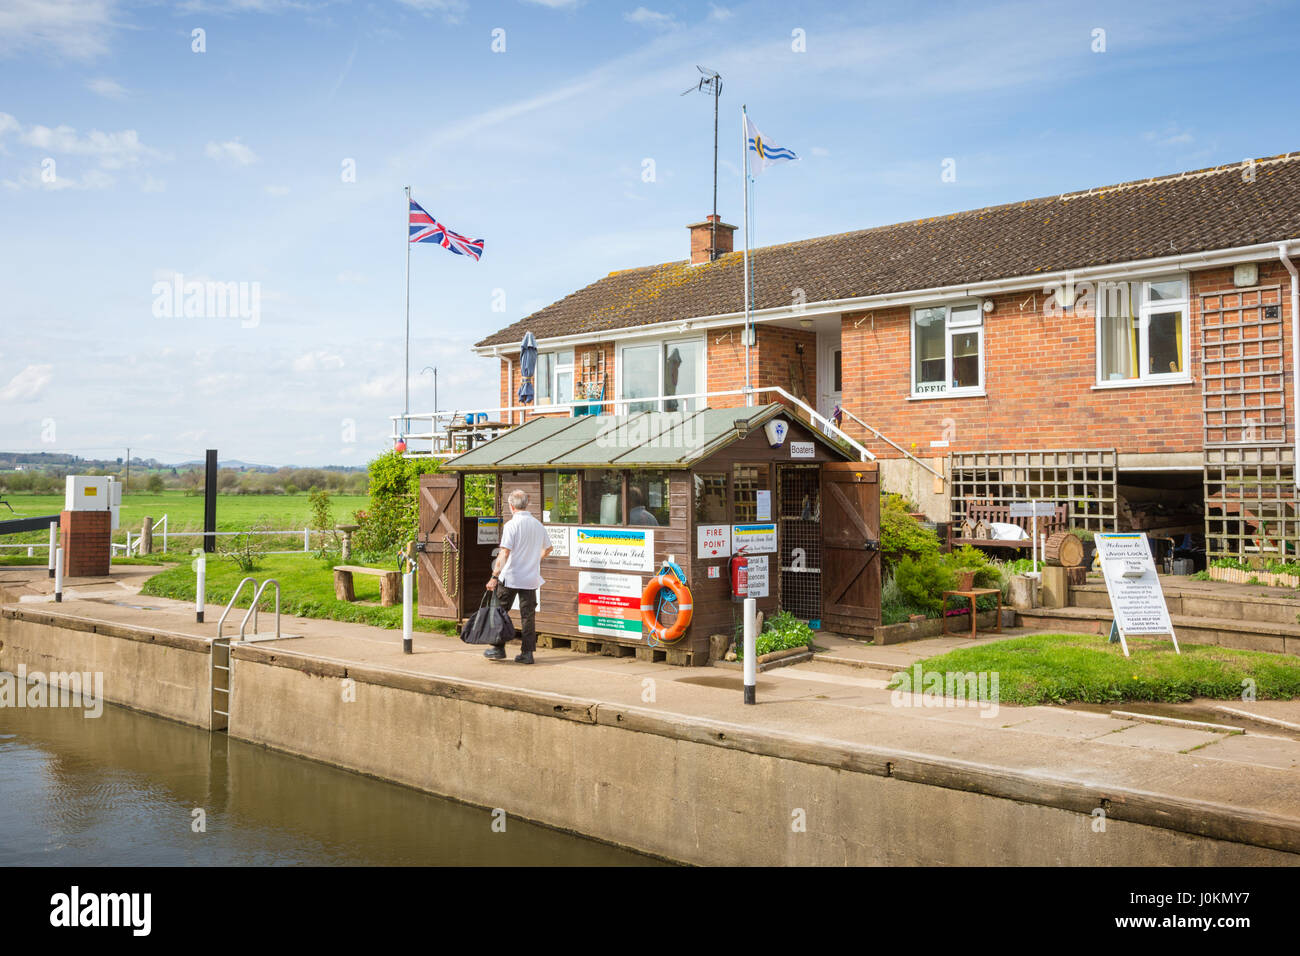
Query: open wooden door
point(850, 526)
point(440, 541)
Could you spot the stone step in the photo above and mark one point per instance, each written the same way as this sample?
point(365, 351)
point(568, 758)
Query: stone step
point(1221, 631)
point(1190, 602)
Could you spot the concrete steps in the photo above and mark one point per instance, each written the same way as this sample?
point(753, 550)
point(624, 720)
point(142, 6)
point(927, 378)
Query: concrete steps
point(1255, 607)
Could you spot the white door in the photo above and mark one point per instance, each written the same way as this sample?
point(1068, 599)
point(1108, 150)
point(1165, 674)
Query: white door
point(830, 376)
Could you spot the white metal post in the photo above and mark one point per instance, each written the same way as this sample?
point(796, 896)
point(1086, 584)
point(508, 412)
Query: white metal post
point(751, 641)
point(128, 545)
point(407, 588)
point(306, 540)
point(54, 533)
point(200, 587)
point(58, 575)
point(1034, 546)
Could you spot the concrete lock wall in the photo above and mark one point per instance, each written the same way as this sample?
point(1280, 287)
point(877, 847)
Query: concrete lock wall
point(696, 792)
point(157, 672)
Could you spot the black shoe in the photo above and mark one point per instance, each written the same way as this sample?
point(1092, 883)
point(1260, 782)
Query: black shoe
point(525, 658)
point(495, 653)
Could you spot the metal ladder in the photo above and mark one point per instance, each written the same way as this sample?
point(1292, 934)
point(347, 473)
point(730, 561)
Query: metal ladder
point(221, 673)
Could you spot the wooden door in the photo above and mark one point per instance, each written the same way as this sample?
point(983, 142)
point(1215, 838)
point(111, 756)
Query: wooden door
point(440, 558)
point(850, 526)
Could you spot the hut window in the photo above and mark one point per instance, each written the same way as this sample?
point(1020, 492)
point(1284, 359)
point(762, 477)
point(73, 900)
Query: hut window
point(480, 496)
point(747, 482)
point(602, 497)
point(710, 499)
point(647, 498)
point(560, 497)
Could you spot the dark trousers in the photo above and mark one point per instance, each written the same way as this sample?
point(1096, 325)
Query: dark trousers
point(527, 612)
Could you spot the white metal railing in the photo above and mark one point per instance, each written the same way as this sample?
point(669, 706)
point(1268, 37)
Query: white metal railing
point(305, 532)
point(892, 444)
point(443, 441)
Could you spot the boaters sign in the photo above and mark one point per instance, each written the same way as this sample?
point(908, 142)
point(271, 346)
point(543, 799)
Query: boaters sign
point(613, 549)
point(609, 604)
point(1134, 588)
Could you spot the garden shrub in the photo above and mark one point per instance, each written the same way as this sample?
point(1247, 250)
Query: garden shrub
point(901, 535)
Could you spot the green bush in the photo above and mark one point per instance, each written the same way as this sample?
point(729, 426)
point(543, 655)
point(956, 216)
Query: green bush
point(394, 513)
point(922, 581)
point(780, 632)
point(901, 535)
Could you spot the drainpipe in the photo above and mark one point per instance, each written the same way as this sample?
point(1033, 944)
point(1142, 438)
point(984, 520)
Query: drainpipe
point(510, 386)
point(1295, 352)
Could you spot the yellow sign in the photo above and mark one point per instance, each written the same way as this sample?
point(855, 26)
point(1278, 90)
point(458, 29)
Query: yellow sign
point(91, 491)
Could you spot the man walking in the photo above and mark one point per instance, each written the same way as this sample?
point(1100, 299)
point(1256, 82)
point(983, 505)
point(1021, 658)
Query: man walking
point(518, 572)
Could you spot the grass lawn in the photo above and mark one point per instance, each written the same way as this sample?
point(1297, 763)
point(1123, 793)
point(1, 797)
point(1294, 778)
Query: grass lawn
point(1059, 668)
point(185, 513)
point(306, 590)
point(20, 559)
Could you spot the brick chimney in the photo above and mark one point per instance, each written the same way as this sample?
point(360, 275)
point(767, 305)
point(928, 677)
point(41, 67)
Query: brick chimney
point(702, 239)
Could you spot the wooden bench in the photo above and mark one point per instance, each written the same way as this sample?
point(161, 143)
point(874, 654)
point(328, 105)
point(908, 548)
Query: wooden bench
point(981, 514)
point(390, 583)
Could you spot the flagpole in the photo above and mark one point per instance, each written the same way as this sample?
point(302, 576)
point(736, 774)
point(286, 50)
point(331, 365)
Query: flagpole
point(744, 142)
point(406, 381)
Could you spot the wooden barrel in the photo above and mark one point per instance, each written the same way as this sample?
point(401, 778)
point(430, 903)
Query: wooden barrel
point(1063, 550)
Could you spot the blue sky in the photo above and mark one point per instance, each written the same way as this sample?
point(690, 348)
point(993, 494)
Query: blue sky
point(227, 165)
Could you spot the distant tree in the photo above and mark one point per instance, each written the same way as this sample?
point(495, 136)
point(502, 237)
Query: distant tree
point(155, 485)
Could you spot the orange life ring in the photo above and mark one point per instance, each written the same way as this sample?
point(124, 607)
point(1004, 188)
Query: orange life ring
point(661, 632)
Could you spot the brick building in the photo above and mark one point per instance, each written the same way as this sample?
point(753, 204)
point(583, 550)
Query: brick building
point(1127, 350)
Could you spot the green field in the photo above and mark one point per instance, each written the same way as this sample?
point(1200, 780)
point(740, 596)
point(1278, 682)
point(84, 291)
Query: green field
point(185, 513)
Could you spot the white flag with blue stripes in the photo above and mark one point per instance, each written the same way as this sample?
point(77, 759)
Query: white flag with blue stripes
point(767, 154)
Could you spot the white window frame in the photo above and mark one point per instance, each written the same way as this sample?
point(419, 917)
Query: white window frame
point(623, 404)
point(948, 329)
point(553, 381)
point(1145, 309)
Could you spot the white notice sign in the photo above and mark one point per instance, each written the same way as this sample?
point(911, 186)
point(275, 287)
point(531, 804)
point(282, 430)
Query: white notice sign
point(803, 449)
point(1135, 593)
point(757, 583)
point(712, 541)
point(763, 503)
point(559, 541)
point(489, 530)
point(1028, 509)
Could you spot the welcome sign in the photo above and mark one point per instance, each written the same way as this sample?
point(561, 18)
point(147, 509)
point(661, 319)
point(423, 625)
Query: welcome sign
point(613, 549)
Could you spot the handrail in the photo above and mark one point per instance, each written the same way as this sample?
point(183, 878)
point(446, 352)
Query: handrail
point(231, 604)
point(257, 595)
point(937, 474)
point(561, 407)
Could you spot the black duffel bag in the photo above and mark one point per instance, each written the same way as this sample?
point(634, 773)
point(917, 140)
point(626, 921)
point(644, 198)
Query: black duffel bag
point(490, 624)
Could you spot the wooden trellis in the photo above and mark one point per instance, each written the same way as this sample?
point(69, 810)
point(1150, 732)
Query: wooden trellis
point(1083, 479)
point(1243, 394)
point(1250, 502)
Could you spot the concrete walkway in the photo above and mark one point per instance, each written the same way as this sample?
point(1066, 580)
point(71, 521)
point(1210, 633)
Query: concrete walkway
point(840, 696)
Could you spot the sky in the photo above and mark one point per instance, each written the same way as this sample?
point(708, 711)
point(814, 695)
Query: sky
point(267, 143)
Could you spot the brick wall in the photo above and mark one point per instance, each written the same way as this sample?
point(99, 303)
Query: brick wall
point(1039, 374)
point(86, 538)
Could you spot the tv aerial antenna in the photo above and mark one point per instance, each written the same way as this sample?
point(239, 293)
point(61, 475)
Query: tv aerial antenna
point(711, 82)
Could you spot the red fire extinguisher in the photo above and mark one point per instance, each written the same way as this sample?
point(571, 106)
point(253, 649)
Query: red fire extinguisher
point(739, 576)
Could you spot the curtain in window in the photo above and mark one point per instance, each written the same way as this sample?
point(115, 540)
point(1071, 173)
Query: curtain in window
point(1119, 333)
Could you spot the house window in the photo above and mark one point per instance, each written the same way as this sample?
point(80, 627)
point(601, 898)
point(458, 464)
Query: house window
point(602, 497)
point(1142, 330)
point(560, 497)
point(675, 367)
point(948, 350)
point(553, 380)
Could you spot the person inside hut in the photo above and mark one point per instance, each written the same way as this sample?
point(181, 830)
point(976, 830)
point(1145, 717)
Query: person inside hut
point(518, 572)
point(636, 509)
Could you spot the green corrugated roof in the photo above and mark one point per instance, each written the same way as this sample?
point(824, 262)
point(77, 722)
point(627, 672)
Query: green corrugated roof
point(647, 439)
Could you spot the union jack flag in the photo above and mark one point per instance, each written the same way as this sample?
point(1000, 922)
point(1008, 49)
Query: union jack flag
point(424, 228)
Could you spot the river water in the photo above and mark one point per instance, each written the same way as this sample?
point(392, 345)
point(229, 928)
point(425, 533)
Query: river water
point(121, 789)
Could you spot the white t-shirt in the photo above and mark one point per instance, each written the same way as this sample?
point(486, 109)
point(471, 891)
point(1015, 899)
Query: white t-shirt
point(526, 538)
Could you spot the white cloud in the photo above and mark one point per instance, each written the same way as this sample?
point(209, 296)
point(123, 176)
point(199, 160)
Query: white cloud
point(317, 361)
point(27, 384)
point(1170, 135)
point(103, 86)
point(274, 190)
point(151, 185)
point(555, 4)
point(451, 10)
point(349, 276)
point(35, 179)
point(645, 17)
point(8, 124)
point(719, 13)
point(78, 29)
point(382, 386)
point(820, 151)
point(112, 150)
point(232, 151)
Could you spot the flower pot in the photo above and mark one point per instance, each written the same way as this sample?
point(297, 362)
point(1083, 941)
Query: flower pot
point(965, 580)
